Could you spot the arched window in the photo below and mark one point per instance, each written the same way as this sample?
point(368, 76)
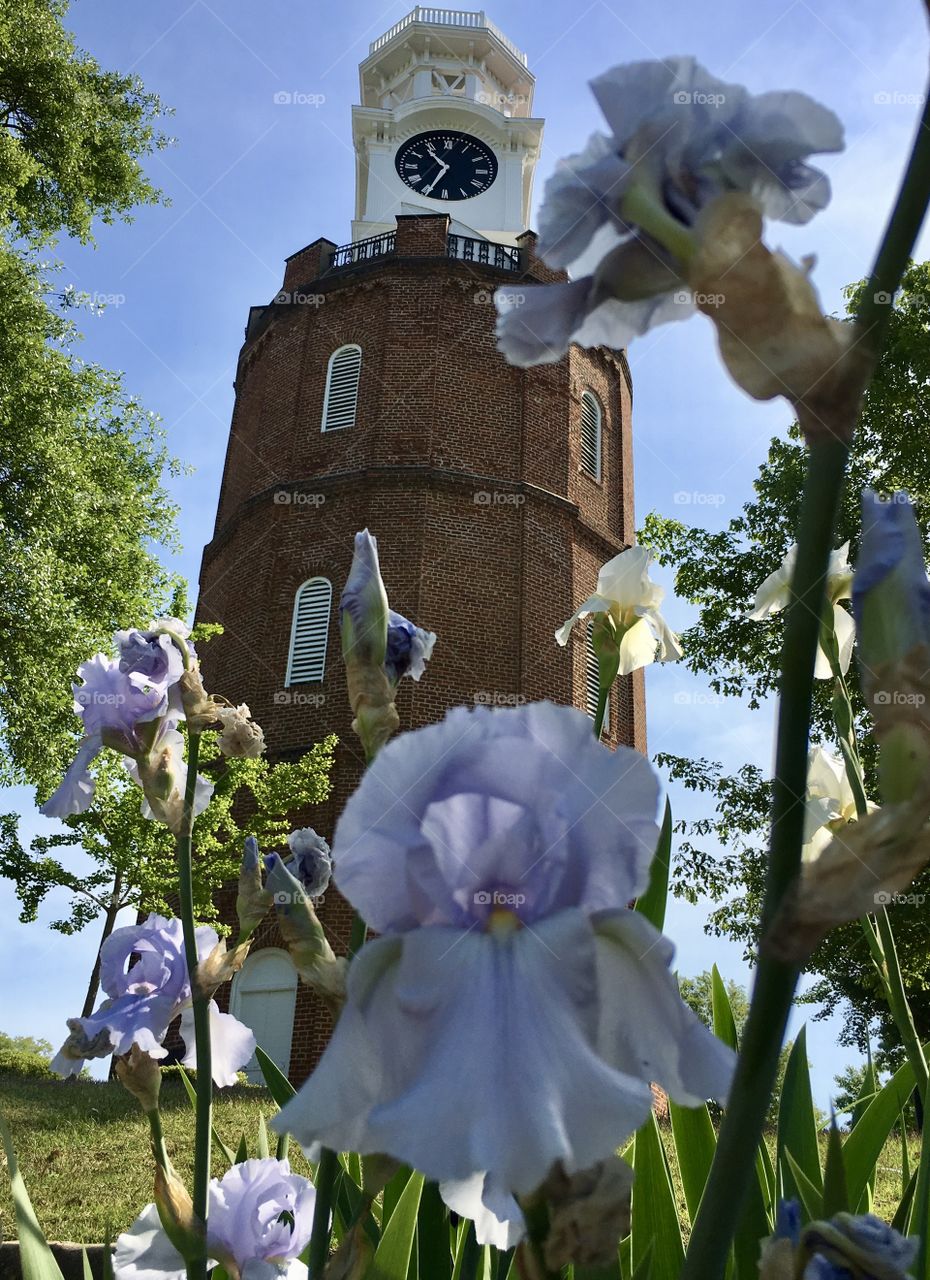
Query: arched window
point(593, 681)
point(341, 395)
point(306, 660)
point(264, 996)
point(592, 417)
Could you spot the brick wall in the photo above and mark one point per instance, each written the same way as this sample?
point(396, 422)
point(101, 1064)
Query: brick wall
point(466, 470)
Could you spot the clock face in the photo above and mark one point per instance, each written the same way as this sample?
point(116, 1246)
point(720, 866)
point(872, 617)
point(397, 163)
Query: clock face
point(446, 165)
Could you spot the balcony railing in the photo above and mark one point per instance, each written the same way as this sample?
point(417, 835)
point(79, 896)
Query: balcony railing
point(347, 255)
point(486, 252)
point(464, 248)
point(448, 18)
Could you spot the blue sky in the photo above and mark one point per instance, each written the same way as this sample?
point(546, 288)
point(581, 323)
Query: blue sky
point(251, 181)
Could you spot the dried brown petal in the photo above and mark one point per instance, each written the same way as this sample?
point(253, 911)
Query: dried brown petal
point(589, 1213)
point(773, 337)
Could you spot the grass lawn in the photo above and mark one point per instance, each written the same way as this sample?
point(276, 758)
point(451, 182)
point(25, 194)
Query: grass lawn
point(83, 1150)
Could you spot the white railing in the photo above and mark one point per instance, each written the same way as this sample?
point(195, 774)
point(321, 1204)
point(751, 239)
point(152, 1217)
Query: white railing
point(447, 18)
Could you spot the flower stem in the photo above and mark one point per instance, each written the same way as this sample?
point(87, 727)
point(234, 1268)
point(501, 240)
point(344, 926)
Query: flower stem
point(601, 713)
point(196, 1267)
point(773, 993)
point(322, 1214)
point(732, 1168)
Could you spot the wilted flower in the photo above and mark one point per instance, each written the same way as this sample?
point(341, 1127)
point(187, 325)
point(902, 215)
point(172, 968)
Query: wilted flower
point(514, 1011)
point(622, 214)
point(253, 900)
point(310, 861)
point(259, 1220)
point(775, 594)
point(239, 735)
point(300, 927)
point(145, 998)
point(409, 648)
point(589, 1211)
point(630, 600)
point(845, 1246)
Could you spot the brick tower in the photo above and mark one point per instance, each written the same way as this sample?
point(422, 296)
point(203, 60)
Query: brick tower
point(369, 393)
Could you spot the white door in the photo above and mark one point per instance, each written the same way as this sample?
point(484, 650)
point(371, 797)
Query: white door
point(264, 997)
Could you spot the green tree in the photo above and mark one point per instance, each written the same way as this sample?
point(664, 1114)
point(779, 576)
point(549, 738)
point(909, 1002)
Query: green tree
point(132, 859)
point(72, 135)
point(719, 571)
point(82, 505)
point(25, 1044)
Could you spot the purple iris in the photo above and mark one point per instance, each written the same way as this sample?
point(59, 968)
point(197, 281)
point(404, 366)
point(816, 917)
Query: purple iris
point(891, 555)
point(409, 648)
point(310, 861)
point(259, 1220)
point(144, 974)
point(514, 1012)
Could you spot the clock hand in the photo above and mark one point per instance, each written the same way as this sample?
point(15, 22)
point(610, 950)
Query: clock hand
point(442, 174)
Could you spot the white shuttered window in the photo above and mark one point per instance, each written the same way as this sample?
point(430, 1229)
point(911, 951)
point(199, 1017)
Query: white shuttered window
point(341, 395)
point(592, 682)
point(306, 660)
point(591, 420)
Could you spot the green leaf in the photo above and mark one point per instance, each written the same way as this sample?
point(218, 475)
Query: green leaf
point(433, 1247)
point(653, 902)
point(803, 1188)
point(242, 1151)
point(902, 1214)
point(228, 1155)
point(695, 1143)
point(797, 1125)
point(644, 1270)
point(655, 1213)
point(755, 1222)
point(278, 1084)
point(392, 1193)
point(864, 1144)
point(85, 1266)
point(283, 1143)
point(263, 1149)
point(905, 1156)
point(393, 1254)
point(724, 1023)
point(835, 1190)
point(36, 1258)
point(608, 1272)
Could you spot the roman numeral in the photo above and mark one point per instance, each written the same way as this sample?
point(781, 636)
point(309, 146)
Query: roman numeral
point(476, 182)
point(444, 193)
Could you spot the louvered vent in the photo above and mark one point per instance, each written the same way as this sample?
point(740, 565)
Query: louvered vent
point(309, 632)
point(590, 435)
point(341, 397)
point(592, 683)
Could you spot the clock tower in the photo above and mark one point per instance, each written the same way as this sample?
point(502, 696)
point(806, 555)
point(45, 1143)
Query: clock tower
point(370, 393)
point(445, 124)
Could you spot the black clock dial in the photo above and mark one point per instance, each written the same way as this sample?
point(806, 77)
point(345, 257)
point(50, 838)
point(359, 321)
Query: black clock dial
point(445, 164)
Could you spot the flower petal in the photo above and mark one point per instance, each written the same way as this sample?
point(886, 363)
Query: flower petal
point(466, 1199)
point(144, 1252)
point(593, 604)
point(440, 1023)
point(637, 647)
point(646, 1028)
point(75, 792)
point(536, 325)
point(232, 1043)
